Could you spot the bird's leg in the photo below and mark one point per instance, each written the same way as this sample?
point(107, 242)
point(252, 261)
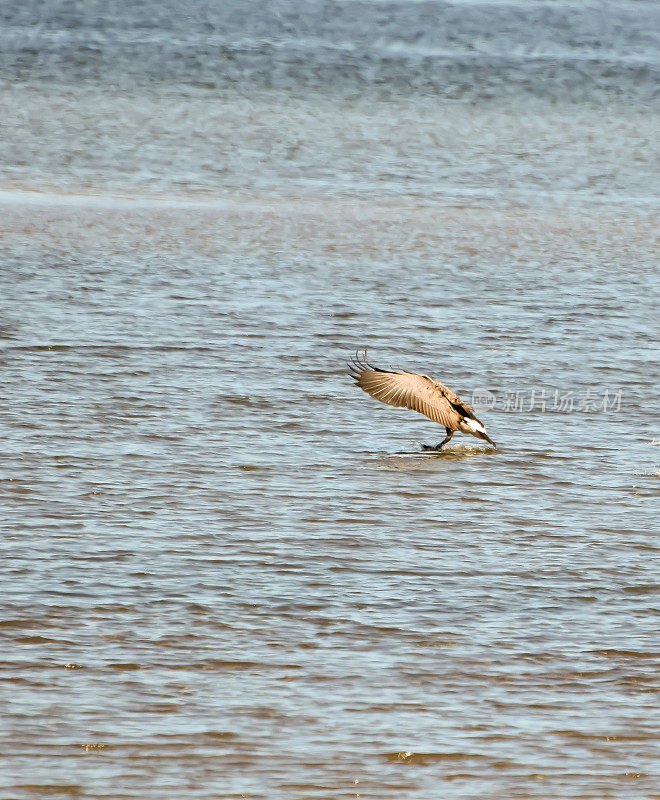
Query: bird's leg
point(450, 433)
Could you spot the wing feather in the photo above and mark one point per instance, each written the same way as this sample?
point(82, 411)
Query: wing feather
point(412, 390)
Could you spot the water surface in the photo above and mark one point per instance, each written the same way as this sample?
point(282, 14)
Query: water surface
point(229, 573)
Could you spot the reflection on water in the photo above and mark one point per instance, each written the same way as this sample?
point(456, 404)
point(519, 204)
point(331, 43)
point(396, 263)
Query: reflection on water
point(228, 572)
point(429, 460)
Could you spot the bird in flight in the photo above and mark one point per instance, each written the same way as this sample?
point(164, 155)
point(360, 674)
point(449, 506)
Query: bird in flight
point(404, 389)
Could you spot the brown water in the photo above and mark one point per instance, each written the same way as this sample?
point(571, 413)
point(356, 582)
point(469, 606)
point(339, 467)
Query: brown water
point(229, 573)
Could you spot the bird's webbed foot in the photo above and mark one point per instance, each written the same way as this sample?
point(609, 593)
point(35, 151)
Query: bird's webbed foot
point(450, 433)
point(434, 447)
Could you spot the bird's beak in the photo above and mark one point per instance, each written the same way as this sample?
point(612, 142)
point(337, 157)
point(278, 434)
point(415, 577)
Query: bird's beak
point(488, 439)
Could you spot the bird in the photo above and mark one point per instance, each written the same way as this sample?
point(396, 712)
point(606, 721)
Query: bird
point(405, 389)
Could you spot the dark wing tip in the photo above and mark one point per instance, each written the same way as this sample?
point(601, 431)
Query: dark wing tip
point(357, 365)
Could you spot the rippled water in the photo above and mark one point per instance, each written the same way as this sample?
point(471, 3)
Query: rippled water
point(227, 572)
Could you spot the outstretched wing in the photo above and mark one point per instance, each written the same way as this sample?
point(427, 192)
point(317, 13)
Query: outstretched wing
point(404, 389)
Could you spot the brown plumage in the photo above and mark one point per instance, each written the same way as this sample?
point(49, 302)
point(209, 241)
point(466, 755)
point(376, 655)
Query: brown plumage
point(404, 389)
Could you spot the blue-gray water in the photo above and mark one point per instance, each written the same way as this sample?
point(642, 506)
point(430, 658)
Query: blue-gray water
point(227, 572)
